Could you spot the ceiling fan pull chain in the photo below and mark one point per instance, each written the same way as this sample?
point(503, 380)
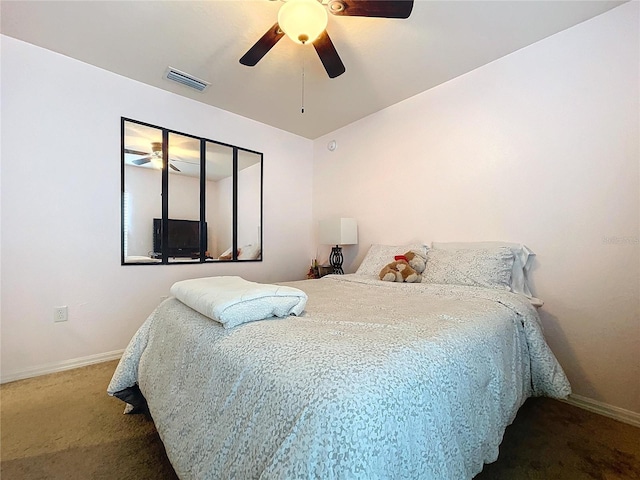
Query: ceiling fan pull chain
point(302, 100)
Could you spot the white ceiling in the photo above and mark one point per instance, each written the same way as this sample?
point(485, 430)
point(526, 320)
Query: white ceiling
point(387, 60)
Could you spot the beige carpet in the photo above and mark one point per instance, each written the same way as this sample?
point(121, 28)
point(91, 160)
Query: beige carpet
point(64, 426)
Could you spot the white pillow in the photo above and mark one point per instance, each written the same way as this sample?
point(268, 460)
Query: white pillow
point(379, 255)
point(488, 268)
point(226, 255)
point(523, 258)
point(249, 252)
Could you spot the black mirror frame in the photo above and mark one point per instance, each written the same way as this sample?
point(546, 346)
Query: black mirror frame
point(203, 180)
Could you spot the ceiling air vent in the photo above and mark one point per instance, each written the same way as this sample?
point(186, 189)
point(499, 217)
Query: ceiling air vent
point(185, 79)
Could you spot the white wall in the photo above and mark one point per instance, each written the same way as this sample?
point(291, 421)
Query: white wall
point(539, 147)
point(61, 205)
point(143, 188)
point(249, 205)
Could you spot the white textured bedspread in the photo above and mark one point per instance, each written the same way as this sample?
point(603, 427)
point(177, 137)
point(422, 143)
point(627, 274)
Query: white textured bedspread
point(376, 380)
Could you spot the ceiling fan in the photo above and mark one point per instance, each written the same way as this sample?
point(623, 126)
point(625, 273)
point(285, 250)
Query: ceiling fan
point(305, 21)
point(155, 156)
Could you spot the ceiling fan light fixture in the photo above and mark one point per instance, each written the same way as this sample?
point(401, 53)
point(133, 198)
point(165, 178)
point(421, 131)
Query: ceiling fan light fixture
point(156, 155)
point(302, 20)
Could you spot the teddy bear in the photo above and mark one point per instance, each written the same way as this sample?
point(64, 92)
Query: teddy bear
point(406, 268)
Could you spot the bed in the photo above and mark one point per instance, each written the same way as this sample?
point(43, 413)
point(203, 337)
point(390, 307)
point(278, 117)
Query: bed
point(373, 380)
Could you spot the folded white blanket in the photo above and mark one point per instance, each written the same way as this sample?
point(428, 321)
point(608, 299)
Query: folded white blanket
point(232, 300)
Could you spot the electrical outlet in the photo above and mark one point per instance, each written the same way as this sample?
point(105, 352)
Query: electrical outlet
point(60, 314)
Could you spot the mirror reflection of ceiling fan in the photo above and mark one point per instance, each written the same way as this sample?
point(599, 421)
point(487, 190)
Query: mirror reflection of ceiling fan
point(305, 21)
point(155, 157)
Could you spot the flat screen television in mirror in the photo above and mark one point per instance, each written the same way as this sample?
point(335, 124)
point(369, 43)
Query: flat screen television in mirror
point(184, 238)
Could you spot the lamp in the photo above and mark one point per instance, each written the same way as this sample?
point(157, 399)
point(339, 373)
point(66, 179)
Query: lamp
point(302, 20)
point(338, 231)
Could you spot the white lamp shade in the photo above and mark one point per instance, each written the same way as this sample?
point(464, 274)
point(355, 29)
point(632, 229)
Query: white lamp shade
point(302, 20)
point(338, 231)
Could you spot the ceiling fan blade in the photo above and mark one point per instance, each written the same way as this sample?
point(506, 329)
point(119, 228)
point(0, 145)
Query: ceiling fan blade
point(262, 46)
point(135, 152)
point(372, 8)
point(328, 55)
point(174, 167)
point(142, 161)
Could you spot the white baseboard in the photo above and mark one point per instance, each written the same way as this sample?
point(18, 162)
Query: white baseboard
point(617, 413)
point(62, 366)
